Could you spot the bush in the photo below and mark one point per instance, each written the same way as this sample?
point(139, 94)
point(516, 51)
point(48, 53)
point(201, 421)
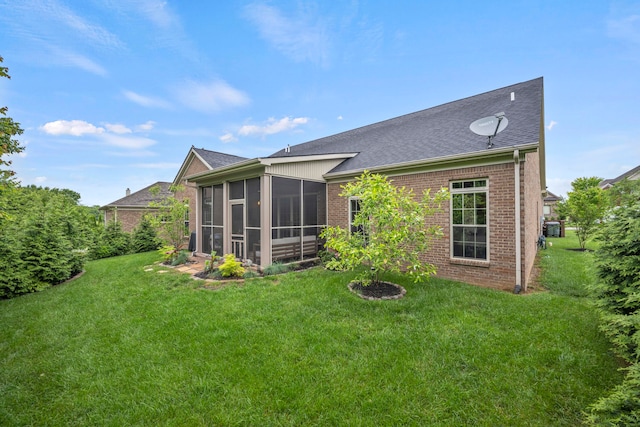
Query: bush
point(616, 296)
point(113, 241)
point(43, 238)
point(231, 267)
point(144, 237)
point(276, 268)
point(181, 258)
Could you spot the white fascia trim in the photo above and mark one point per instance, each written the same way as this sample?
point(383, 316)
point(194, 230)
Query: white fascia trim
point(268, 161)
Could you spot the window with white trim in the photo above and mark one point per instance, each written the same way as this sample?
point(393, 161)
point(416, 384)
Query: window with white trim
point(469, 224)
point(354, 208)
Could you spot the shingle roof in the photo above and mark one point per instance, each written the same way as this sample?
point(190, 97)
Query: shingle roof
point(143, 197)
point(629, 174)
point(216, 160)
point(436, 132)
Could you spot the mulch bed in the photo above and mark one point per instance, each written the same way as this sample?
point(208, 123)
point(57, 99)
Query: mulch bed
point(377, 290)
point(294, 267)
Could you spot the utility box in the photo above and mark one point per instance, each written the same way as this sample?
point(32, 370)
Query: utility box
point(552, 229)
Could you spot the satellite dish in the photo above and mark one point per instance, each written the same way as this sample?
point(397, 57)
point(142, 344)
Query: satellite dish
point(489, 126)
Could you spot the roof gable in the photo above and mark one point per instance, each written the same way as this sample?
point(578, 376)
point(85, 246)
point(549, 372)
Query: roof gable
point(436, 132)
point(210, 159)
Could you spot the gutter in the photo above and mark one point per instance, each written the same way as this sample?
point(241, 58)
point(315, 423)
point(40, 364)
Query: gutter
point(516, 170)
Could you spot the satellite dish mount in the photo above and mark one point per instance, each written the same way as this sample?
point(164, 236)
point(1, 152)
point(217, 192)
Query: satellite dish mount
point(489, 126)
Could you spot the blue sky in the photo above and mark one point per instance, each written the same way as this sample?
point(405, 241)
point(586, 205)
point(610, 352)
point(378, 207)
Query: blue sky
point(113, 93)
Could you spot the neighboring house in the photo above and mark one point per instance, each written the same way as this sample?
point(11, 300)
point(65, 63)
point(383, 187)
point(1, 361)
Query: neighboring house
point(633, 174)
point(549, 208)
point(129, 210)
point(274, 208)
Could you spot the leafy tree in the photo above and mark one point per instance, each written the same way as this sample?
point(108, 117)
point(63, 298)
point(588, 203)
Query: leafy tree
point(392, 235)
point(586, 205)
point(8, 130)
point(169, 218)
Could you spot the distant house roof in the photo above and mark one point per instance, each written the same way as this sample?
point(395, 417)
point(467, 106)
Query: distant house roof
point(552, 197)
point(142, 198)
point(437, 132)
point(632, 174)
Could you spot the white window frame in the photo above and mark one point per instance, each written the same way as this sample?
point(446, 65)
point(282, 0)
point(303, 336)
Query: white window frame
point(351, 212)
point(470, 186)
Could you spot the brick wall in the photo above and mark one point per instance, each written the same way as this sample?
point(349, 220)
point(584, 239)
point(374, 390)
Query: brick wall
point(190, 190)
point(499, 271)
point(532, 203)
point(128, 218)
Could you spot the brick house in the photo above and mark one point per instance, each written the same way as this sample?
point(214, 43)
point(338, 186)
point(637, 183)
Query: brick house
point(631, 175)
point(273, 208)
point(549, 209)
point(129, 210)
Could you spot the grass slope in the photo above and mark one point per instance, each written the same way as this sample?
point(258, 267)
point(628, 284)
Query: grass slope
point(122, 346)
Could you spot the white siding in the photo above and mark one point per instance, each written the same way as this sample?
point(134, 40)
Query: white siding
point(305, 170)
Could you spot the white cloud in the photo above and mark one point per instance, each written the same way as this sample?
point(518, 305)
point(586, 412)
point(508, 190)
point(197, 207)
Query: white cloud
point(158, 12)
point(146, 126)
point(302, 37)
point(117, 128)
point(52, 22)
point(130, 142)
point(146, 101)
point(625, 28)
point(39, 179)
point(551, 125)
point(210, 97)
point(72, 59)
point(339, 117)
point(228, 137)
point(113, 135)
point(273, 126)
point(71, 127)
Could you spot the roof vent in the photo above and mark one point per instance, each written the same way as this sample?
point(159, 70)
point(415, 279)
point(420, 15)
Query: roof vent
point(513, 96)
point(489, 126)
point(128, 192)
point(287, 149)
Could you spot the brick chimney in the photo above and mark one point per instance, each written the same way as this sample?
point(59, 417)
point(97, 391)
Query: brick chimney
point(128, 192)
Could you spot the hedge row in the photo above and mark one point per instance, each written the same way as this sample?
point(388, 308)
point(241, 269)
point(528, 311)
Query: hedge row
point(617, 296)
point(46, 237)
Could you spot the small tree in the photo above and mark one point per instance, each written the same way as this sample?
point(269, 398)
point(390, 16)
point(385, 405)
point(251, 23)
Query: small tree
point(586, 205)
point(144, 237)
point(392, 233)
point(169, 218)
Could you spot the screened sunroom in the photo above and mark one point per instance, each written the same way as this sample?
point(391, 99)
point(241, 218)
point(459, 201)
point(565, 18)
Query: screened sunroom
point(263, 219)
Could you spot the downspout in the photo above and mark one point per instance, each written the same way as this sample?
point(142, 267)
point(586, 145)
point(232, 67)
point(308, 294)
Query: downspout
point(516, 171)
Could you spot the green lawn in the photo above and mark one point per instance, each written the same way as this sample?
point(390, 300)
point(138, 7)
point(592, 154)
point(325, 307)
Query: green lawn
point(122, 346)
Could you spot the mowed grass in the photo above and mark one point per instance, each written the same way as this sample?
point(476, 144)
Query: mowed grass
point(124, 346)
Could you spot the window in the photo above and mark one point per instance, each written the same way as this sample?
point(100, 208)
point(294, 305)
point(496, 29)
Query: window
point(354, 208)
point(546, 209)
point(469, 219)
